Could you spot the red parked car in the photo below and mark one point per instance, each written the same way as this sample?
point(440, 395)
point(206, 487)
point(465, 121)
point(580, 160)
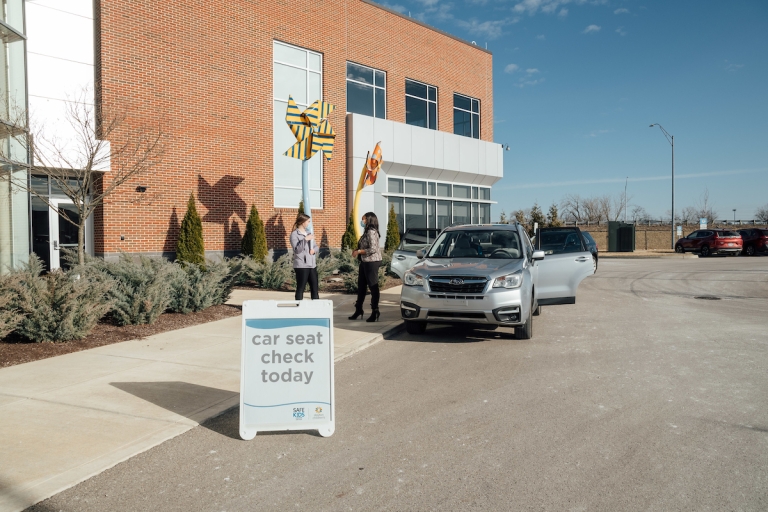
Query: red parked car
point(754, 241)
point(710, 241)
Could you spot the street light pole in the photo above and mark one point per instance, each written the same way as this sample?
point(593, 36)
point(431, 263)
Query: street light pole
point(734, 215)
point(671, 140)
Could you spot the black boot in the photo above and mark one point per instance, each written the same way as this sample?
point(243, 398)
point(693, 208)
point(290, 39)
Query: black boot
point(374, 316)
point(358, 314)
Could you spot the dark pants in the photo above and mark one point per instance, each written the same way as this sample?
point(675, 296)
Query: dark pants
point(368, 277)
point(304, 276)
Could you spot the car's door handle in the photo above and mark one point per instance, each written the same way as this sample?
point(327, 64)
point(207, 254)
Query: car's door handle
point(55, 245)
point(400, 257)
point(582, 259)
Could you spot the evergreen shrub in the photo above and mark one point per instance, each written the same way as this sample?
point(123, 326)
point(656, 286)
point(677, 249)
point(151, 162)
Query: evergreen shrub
point(349, 239)
point(190, 247)
point(10, 317)
point(393, 231)
point(255, 238)
point(58, 306)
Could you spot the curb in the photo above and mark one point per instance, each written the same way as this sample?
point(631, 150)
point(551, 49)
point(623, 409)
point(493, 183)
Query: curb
point(372, 341)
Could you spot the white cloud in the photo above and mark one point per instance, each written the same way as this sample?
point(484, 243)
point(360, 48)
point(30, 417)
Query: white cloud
point(541, 37)
point(730, 66)
point(551, 6)
point(528, 82)
point(563, 12)
point(596, 133)
point(428, 3)
point(531, 71)
point(621, 11)
point(487, 29)
point(511, 68)
point(591, 28)
point(395, 7)
point(621, 31)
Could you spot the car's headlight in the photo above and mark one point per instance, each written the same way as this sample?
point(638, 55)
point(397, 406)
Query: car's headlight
point(411, 279)
point(510, 281)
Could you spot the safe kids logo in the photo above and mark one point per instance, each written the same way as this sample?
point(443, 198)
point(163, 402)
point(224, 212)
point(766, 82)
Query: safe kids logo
point(298, 413)
point(318, 410)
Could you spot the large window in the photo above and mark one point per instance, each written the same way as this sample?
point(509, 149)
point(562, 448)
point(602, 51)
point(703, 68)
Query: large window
point(297, 73)
point(466, 116)
point(419, 204)
point(366, 91)
point(420, 104)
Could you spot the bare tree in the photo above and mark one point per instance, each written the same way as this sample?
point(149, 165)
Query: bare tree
point(703, 210)
point(86, 167)
point(640, 215)
point(761, 214)
point(572, 206)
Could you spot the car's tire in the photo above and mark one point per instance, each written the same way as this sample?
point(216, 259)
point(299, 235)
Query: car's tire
point(750, 250)
point(705, 251)
point(679, 249)
point(594, 264)
point(537, 311)
point(525, 331)
point(415, 327)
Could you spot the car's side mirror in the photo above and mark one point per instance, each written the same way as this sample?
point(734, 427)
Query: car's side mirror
point(538, 255)
point(420, 254)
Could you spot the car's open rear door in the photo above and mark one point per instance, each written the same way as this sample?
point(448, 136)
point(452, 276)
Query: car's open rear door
point(566, 263)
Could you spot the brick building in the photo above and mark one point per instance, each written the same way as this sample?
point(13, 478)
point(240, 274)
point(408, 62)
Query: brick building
point(216, 75)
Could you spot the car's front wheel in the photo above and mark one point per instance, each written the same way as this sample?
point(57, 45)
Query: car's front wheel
point(679, 249)
point(750, 250)
point(525, 331)
point(705, 251)
point(415, 327)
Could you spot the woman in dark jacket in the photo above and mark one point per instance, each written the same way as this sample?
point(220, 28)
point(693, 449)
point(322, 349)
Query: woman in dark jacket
point(369, 253)
point(304, 257)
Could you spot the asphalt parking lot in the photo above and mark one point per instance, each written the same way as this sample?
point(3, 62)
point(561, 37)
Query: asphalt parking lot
point(650, 393)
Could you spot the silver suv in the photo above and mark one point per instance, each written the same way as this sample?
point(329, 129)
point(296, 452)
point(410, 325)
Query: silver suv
point(490, 275)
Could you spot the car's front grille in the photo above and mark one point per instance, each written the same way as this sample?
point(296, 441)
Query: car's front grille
point(457, 284)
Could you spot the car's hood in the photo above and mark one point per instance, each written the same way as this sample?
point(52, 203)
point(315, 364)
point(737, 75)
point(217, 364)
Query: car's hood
point(467, 267)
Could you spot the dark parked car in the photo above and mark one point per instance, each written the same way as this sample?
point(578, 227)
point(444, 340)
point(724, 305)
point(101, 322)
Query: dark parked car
point(591, 247)
point(754, 241)
point(410, 242)
point(564, 240)
point(710, 241)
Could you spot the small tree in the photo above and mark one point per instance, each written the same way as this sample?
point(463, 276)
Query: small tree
point(190, 247)
point(393, 231)
point(503, 218)
point(349, 238)
point(301, 206)
point(255, 238)
point(104, 151)
point(537, 217)
point(553, 221)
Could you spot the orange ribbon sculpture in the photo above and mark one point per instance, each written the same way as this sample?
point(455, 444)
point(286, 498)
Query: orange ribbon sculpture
point(367, 177)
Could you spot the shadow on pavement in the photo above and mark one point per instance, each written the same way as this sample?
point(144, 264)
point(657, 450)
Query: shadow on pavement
point(228, 424)
point(183, 398)
point(458, 333)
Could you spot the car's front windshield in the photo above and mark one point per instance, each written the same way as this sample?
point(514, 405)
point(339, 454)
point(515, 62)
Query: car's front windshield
point(501, 243)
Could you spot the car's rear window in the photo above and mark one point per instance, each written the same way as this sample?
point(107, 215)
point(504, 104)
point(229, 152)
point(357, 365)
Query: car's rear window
point(727, 234)
point(502, 244)
point(764, 232)
point(559, 241)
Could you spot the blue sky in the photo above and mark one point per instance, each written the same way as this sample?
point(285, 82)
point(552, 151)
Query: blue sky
point(578, 82)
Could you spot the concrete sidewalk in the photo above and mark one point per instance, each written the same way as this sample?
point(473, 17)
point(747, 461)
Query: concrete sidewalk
point(67, 418)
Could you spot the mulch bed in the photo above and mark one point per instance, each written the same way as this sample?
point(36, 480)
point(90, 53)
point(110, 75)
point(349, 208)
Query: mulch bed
point(17, 350)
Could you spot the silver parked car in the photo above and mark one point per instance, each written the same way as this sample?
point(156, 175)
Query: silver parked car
point(488, 275)
point(411, 242)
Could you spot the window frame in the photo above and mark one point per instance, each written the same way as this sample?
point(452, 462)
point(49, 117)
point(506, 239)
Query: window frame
point(471, 114)
point(374, 86)
point(436, 100)
point(301, 106)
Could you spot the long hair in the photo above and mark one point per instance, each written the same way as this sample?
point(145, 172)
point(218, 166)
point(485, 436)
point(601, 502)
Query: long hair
point(371, 222)
point(300, 219)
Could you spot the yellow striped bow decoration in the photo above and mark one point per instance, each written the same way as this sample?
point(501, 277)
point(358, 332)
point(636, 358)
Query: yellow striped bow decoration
point(312, 130)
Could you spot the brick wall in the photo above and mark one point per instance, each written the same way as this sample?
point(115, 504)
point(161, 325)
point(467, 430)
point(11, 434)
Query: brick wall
point(203, 69)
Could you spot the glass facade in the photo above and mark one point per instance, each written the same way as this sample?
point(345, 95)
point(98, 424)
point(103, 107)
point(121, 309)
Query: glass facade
point(466, 116)
point(14, 201)
point(297, 73)
point(420, 104)
point(417, 203)
point(366, 91)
